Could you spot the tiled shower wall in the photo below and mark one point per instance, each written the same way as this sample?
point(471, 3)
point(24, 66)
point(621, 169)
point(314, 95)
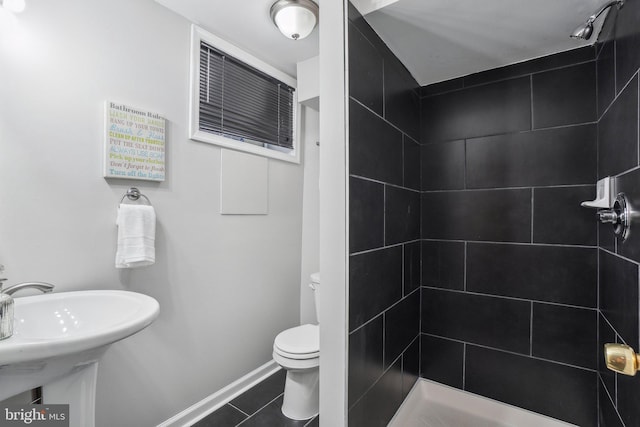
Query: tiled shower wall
point(618, 62)
point(520, 287)
point(509, 257)
point(384, 221)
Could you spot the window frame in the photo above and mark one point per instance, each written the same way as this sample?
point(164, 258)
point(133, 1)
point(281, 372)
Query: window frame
point(273, 151)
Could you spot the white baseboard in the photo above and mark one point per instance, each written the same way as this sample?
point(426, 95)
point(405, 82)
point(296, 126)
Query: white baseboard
point(210, 403)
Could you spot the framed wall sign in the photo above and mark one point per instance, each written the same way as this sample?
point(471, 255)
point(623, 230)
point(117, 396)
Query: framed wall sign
point(134, 143)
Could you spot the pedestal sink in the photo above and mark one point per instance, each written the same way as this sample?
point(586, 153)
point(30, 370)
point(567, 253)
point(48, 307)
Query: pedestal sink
point(57, 342)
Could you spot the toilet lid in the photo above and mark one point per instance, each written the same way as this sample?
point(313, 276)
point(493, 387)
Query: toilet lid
point(301, 340)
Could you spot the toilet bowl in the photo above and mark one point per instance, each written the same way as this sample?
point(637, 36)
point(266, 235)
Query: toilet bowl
point(297, 350)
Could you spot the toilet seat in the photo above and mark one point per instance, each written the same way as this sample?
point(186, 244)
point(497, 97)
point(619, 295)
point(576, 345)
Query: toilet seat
point(299, 343)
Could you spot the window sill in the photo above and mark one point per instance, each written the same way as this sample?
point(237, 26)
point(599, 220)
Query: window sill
point(274, 153)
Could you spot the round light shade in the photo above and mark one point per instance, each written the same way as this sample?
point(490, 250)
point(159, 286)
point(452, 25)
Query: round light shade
point(296, 19)
point(15, 6)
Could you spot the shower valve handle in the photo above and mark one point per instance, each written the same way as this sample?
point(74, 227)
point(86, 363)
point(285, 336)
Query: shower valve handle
point(621, 358)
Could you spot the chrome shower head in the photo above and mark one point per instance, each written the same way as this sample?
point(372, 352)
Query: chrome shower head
point(585, 30)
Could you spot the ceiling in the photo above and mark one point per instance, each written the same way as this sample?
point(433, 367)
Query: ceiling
point(442, 39)
point(436, 39)
point(247, 24)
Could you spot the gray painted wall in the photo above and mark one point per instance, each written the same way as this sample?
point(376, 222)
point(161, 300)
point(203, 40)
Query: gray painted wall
point(226, 284)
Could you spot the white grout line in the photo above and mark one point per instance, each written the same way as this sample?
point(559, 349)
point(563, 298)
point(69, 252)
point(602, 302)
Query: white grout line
point(380, 248)
point(515, 76)
point(464, 279)
point(488, 242)
point(238, 409)
point(460, 190)
point(532, 127)
point(364, 178)
point(464, 366)
point(532, 212)
point(475, 293)
point(531, 331)
point(486, 347)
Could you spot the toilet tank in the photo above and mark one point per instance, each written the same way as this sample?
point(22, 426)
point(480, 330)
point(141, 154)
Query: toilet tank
point(315, 285)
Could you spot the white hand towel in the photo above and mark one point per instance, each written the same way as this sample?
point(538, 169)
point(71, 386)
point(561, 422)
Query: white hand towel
point(136, 236)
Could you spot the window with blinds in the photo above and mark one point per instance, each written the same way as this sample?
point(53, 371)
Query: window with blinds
point(241, 101)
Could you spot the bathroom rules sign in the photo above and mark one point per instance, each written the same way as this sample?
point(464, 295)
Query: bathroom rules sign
point(133, 143)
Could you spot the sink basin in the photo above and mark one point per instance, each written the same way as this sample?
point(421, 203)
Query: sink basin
point(59, 338)
point(58, 324)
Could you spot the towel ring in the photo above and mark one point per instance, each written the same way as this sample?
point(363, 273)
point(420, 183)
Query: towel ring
point(134, 194)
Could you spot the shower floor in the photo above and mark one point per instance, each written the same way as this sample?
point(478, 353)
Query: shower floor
point(431, 404)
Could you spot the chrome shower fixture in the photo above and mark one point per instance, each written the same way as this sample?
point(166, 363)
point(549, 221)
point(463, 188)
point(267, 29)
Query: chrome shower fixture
point(585, 30)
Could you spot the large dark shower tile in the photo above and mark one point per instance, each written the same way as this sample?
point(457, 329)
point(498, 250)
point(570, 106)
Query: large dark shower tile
point(443, 166)
point(366, 215)
point(366, 353)
point(606, 237)
point(375, 283)
point(575, 226)
point(627, 42)
point(605, 335)
point(378, 405)
point(411, 154)
point(606, 77)
point(445, 215)
point(491, 321)
point(565, 334)
point(402, 215)
point(564, 96)
point(539, 158)
point(443, 264)
point(558, 274)
point(412, 266)
point(618, 134)
point(375, 147)
point(365, 71)
point(441, 87)
point(402, 102)
point(619, 295)
point(556, 390)
point(410, 367)
point(628, 399)
point(401, 327)
point(557, 60)
point(607, 412)
point(477, 111)
point(442, 360)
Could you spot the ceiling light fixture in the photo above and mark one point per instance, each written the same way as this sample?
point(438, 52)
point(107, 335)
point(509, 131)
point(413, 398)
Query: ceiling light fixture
point(296, 19)
point(585, 30)
point(15, 6)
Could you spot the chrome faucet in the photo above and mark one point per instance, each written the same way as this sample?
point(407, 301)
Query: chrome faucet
point(6, 302)
point(41, 286)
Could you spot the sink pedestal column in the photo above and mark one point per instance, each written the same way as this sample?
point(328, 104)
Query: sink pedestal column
point(78, 389)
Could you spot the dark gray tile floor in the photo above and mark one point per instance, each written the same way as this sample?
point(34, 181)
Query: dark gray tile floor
point(256, 407)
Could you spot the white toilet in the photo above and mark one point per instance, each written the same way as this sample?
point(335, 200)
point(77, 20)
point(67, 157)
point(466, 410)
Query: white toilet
point(298, 351)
